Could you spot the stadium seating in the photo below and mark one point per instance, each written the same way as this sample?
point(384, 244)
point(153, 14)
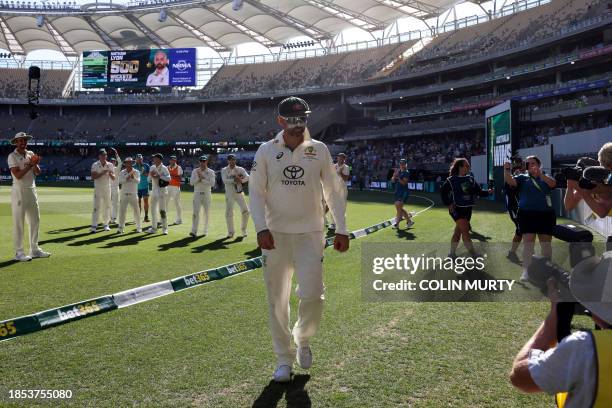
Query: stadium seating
point(14, 82)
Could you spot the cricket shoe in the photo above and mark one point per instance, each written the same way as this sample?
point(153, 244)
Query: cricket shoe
point(39, 254)
point(93, 229)
point(282, 374)
point(165, 231)
point(151, 230)
point(21, 257)
point(120, 231)
point(192, 234)
point(138, 229)
point(304, 357)
point(178, 222)
point(409, 223)
point(106, 227)
point(525, 276)
point(229, 236)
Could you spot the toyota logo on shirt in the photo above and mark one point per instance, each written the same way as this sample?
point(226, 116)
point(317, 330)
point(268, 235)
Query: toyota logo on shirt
point(293, 174)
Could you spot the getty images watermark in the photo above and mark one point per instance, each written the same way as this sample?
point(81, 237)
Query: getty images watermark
point(426, 272)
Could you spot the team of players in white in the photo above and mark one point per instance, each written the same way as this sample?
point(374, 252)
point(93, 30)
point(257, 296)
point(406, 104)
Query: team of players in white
point(290, 178)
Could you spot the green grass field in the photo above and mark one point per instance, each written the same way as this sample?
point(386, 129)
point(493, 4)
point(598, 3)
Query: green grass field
point(210, 346)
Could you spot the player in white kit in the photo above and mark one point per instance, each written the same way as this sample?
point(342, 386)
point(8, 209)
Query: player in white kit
point(343, 171)
point(129, 179)
point(203, 180)
point(174, 189)
point(233, 178)
point(160, 178)
point(116, 160)
point(23, 164)
point(102, 172)
point(290, 176)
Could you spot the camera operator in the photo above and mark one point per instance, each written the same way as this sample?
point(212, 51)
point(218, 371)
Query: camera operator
point(601, 202)
point(578, 370)
point(535, 213)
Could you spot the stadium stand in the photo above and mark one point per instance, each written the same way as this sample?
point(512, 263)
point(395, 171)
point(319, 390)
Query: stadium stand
point(14, 82)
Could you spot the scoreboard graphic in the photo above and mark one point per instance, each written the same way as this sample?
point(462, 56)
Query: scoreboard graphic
point(139, 68)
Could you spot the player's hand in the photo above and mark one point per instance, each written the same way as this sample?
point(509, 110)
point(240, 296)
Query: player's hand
point(238, 179)
point(35, 159)
point(341, 243)
point(265, 240)
point(507, 166)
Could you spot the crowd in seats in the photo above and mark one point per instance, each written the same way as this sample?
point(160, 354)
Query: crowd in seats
point(516, 30)
point(14, 82)
point(330, 70)
point(540, 135)
point(373, 159)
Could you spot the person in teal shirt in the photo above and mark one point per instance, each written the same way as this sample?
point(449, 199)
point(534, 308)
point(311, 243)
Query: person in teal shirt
point(143, 186)
point(536, 215)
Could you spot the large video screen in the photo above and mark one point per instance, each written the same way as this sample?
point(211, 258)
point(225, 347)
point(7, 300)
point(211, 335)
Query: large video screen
point(139, 68)
point(499, 136)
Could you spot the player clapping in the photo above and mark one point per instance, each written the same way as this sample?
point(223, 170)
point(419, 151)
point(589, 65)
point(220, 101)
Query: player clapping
point(129, 179)
point(102, 172)
point(202, 180)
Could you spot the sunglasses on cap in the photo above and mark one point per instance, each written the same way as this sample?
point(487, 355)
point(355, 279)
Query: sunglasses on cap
point(296, 121)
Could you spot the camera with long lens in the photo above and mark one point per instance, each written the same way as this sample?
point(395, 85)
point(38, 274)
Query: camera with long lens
point(582, 255)
point(574, 173)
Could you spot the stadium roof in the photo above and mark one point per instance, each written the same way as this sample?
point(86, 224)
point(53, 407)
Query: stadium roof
point(72, 28)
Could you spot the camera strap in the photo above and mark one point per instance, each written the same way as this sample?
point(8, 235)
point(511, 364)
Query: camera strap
point(537, 185)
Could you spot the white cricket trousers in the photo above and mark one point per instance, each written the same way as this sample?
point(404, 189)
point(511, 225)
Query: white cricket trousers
point(157, 206)
point(24, 205)
point(232, 197)
point(101, 207)
point(130, 199)
point(302, 253)
point(114, 202)
point(201, 201)
point(174, 195)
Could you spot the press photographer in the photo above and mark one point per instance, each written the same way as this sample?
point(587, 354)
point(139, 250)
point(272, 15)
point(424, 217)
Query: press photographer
point(577, 370)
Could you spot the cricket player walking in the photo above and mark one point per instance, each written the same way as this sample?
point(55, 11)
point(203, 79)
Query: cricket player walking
point(233, 178)
point(343, 171)
point(202, 180)
point(116, 160)
point(129, 179)
point(289, 178)
point(102, 172)
point(23, 164)
point(174, 189)
point(160, 178)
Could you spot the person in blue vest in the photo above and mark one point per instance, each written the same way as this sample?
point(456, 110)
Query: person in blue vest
point(536, 215)
point(400, 179)
point(459, 193)
point(577, 369)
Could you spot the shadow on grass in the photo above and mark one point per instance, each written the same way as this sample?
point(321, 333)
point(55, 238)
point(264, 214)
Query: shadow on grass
point(407, 235)
point(296, 395)
point(217, 244)
point(96, 239)
point(71, 229)
point(133, 240)
point(61, 240)
point(479, 237)
point(253, 253)
point(8, 263)
point(181, 243)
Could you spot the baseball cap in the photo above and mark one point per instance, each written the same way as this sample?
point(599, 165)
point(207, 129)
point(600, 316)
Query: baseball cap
point(402, 161)
point(203, 158)
point(128, 160)
point(231, 157)
point(139, 156)
point(102, 151)
point(159, 156)
point(173, 157)
point(341, 154)
point(293, 107)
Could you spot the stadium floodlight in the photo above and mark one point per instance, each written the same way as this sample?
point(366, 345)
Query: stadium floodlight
point(163, 15)
point(236, 5)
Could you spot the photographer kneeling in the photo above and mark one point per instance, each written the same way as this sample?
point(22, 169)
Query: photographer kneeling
point(578, 370)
